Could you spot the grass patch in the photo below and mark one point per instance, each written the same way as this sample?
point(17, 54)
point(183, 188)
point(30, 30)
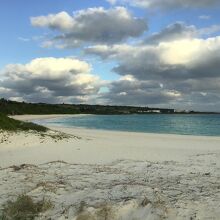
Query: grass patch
point(24, 208)
point(10, 124)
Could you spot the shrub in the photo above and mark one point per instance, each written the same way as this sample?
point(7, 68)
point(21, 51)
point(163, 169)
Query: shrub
point(10, 124)
point(24, 208)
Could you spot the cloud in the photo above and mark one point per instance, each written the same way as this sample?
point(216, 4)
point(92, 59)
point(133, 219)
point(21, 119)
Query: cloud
point(50, 80)
point(23, 39)
point(185, 58)
point(175, 48)
point(131, 91)
point(93, 25)
point(181, 31)
point(204, 17)
point(166, 4)
point(208, 31)
point(182, 65)
point(176, 31)
point(61, 21)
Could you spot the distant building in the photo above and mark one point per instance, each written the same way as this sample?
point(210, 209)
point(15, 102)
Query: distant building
point(149, 111)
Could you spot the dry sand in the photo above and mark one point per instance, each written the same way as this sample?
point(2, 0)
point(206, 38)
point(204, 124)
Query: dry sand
point(40, 117)
point(98, 174)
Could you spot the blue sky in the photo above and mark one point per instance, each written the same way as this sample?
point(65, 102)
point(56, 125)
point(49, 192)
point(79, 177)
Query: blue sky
point(17, 27)
point(21, 43)
point(15, 23)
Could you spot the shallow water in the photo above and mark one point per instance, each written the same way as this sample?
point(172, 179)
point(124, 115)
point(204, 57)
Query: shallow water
point(190, 124)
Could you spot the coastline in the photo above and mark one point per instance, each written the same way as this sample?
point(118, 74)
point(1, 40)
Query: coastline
point(39, 118)
point(174, 176)
point(110, 146)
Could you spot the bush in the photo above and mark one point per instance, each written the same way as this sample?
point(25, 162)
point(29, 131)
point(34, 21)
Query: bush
point(10, 124)
point(24, 208)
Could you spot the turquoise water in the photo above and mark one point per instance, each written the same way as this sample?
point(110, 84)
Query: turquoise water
point(204, 125)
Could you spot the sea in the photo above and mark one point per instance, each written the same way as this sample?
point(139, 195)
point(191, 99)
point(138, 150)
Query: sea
point(182, 124)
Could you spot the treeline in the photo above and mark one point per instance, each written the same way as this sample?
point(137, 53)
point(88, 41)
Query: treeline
point(18, 108)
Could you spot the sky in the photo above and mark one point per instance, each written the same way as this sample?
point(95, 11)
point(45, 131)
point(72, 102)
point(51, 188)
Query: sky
point(159, 53)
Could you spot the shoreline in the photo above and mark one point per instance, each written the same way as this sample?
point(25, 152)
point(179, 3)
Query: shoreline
point(30, 118)
point(96, 146)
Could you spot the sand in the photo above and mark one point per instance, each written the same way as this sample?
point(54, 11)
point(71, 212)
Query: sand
point(40, 117)
point(124, 175)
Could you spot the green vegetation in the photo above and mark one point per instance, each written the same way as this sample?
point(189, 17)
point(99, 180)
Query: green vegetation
point(10, 124)
point(22, 108)
point(24, 208)
point(19, 108)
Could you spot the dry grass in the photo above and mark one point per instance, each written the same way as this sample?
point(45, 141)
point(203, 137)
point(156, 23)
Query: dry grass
point(24, 208)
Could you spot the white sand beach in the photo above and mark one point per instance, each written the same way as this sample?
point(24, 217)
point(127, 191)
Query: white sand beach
point(40, 117)
point(124, 175)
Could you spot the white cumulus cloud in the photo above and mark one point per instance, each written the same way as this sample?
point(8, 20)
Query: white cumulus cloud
point(93, 25)
point(50, 79)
